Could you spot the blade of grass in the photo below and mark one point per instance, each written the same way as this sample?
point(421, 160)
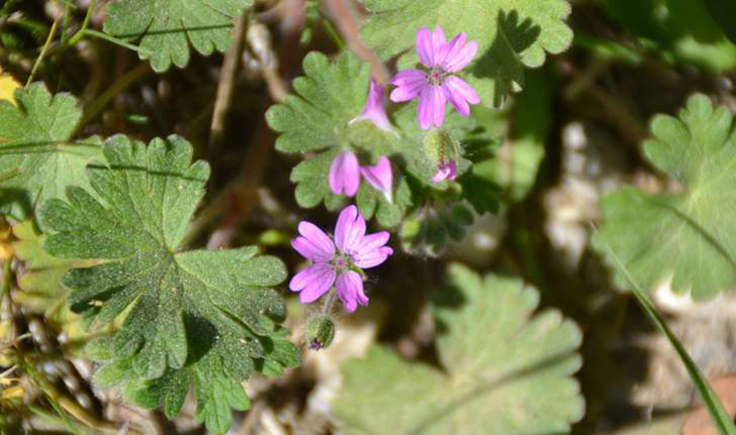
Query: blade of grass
point(718, 413)
point(50, 38)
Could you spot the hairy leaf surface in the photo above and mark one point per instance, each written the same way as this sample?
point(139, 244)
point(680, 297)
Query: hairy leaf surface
point(504, 370)
point(38, 160)
point(203, 317)
point(687, 237)
point(165, 26)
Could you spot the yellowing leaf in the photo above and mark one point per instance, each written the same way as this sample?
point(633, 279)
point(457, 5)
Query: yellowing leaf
point(8, 85)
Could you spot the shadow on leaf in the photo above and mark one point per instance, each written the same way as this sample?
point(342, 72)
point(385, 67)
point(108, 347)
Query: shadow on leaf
point(501, 62)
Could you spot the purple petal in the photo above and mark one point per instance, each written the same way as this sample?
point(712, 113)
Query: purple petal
point(373, 241)
point(451, 49)
point(461, 57)
point(431, 107)
point(462, 89)
point(425, 49)
point(438, 105)
point(409, 85)
point(456, 100)
point(344, 174)
point(445, 170)
point(380, 176)
point(438, 45)
point(372, 251)
point(374, 110)
point(313, 244)
point(373, 258)
point(350, 290)
point(313, 282)
point(309, 250)
point(350, 229)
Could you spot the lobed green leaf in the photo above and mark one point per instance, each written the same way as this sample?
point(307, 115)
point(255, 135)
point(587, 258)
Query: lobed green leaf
point(504, 370)
point(38, 159)
point(202, 317)
point(686, 238)
point(167, 27)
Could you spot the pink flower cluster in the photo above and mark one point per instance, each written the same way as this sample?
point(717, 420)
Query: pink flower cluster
point(339, 262)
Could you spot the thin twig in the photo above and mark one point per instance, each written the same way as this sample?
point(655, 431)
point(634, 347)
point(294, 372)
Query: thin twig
point(344, 15)
point(226, 84)
point(119, 86)
point(259, 40)
point(584, 83)
point(237, 199)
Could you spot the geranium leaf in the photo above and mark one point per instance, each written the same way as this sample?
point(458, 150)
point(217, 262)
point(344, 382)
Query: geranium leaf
point(511, 35)
point(504, 370)
point(204, 316)
point(688, 237)
point(167, 27)
point(38, 160)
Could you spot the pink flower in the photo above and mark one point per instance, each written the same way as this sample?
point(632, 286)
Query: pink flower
point(438, 86)
point(374, 110)
point(380, 176)
point(445, 170)
point(338, 263)
point(344, 174)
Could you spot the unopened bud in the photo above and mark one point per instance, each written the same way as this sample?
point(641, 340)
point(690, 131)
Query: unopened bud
point(320, 332)
point(439, 146)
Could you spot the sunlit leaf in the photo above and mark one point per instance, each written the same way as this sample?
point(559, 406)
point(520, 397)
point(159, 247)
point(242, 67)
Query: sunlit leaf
point(504, 370)
point(204, 317)
point(38, 160)
point(166, 28)
point(688, 237)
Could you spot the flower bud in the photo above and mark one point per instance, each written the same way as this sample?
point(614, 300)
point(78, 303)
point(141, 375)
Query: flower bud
point(320, 332)
point(439, 146)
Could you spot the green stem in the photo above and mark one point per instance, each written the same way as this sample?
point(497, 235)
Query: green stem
point(329, 302)
point(6, 278)
point(333, 34)
point(718, 413)
point(65, 25)
point(50, 38)
point(114, 40)
point(74, 40)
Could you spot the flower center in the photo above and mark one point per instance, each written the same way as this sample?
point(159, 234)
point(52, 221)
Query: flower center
point(437, 76)
point(342, 261)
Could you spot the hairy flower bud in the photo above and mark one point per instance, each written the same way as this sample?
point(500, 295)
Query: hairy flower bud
point(442, 150)
point(320, 332)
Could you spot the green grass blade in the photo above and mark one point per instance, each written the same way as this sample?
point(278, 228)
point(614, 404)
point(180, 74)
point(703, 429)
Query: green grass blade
point(718, 413)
